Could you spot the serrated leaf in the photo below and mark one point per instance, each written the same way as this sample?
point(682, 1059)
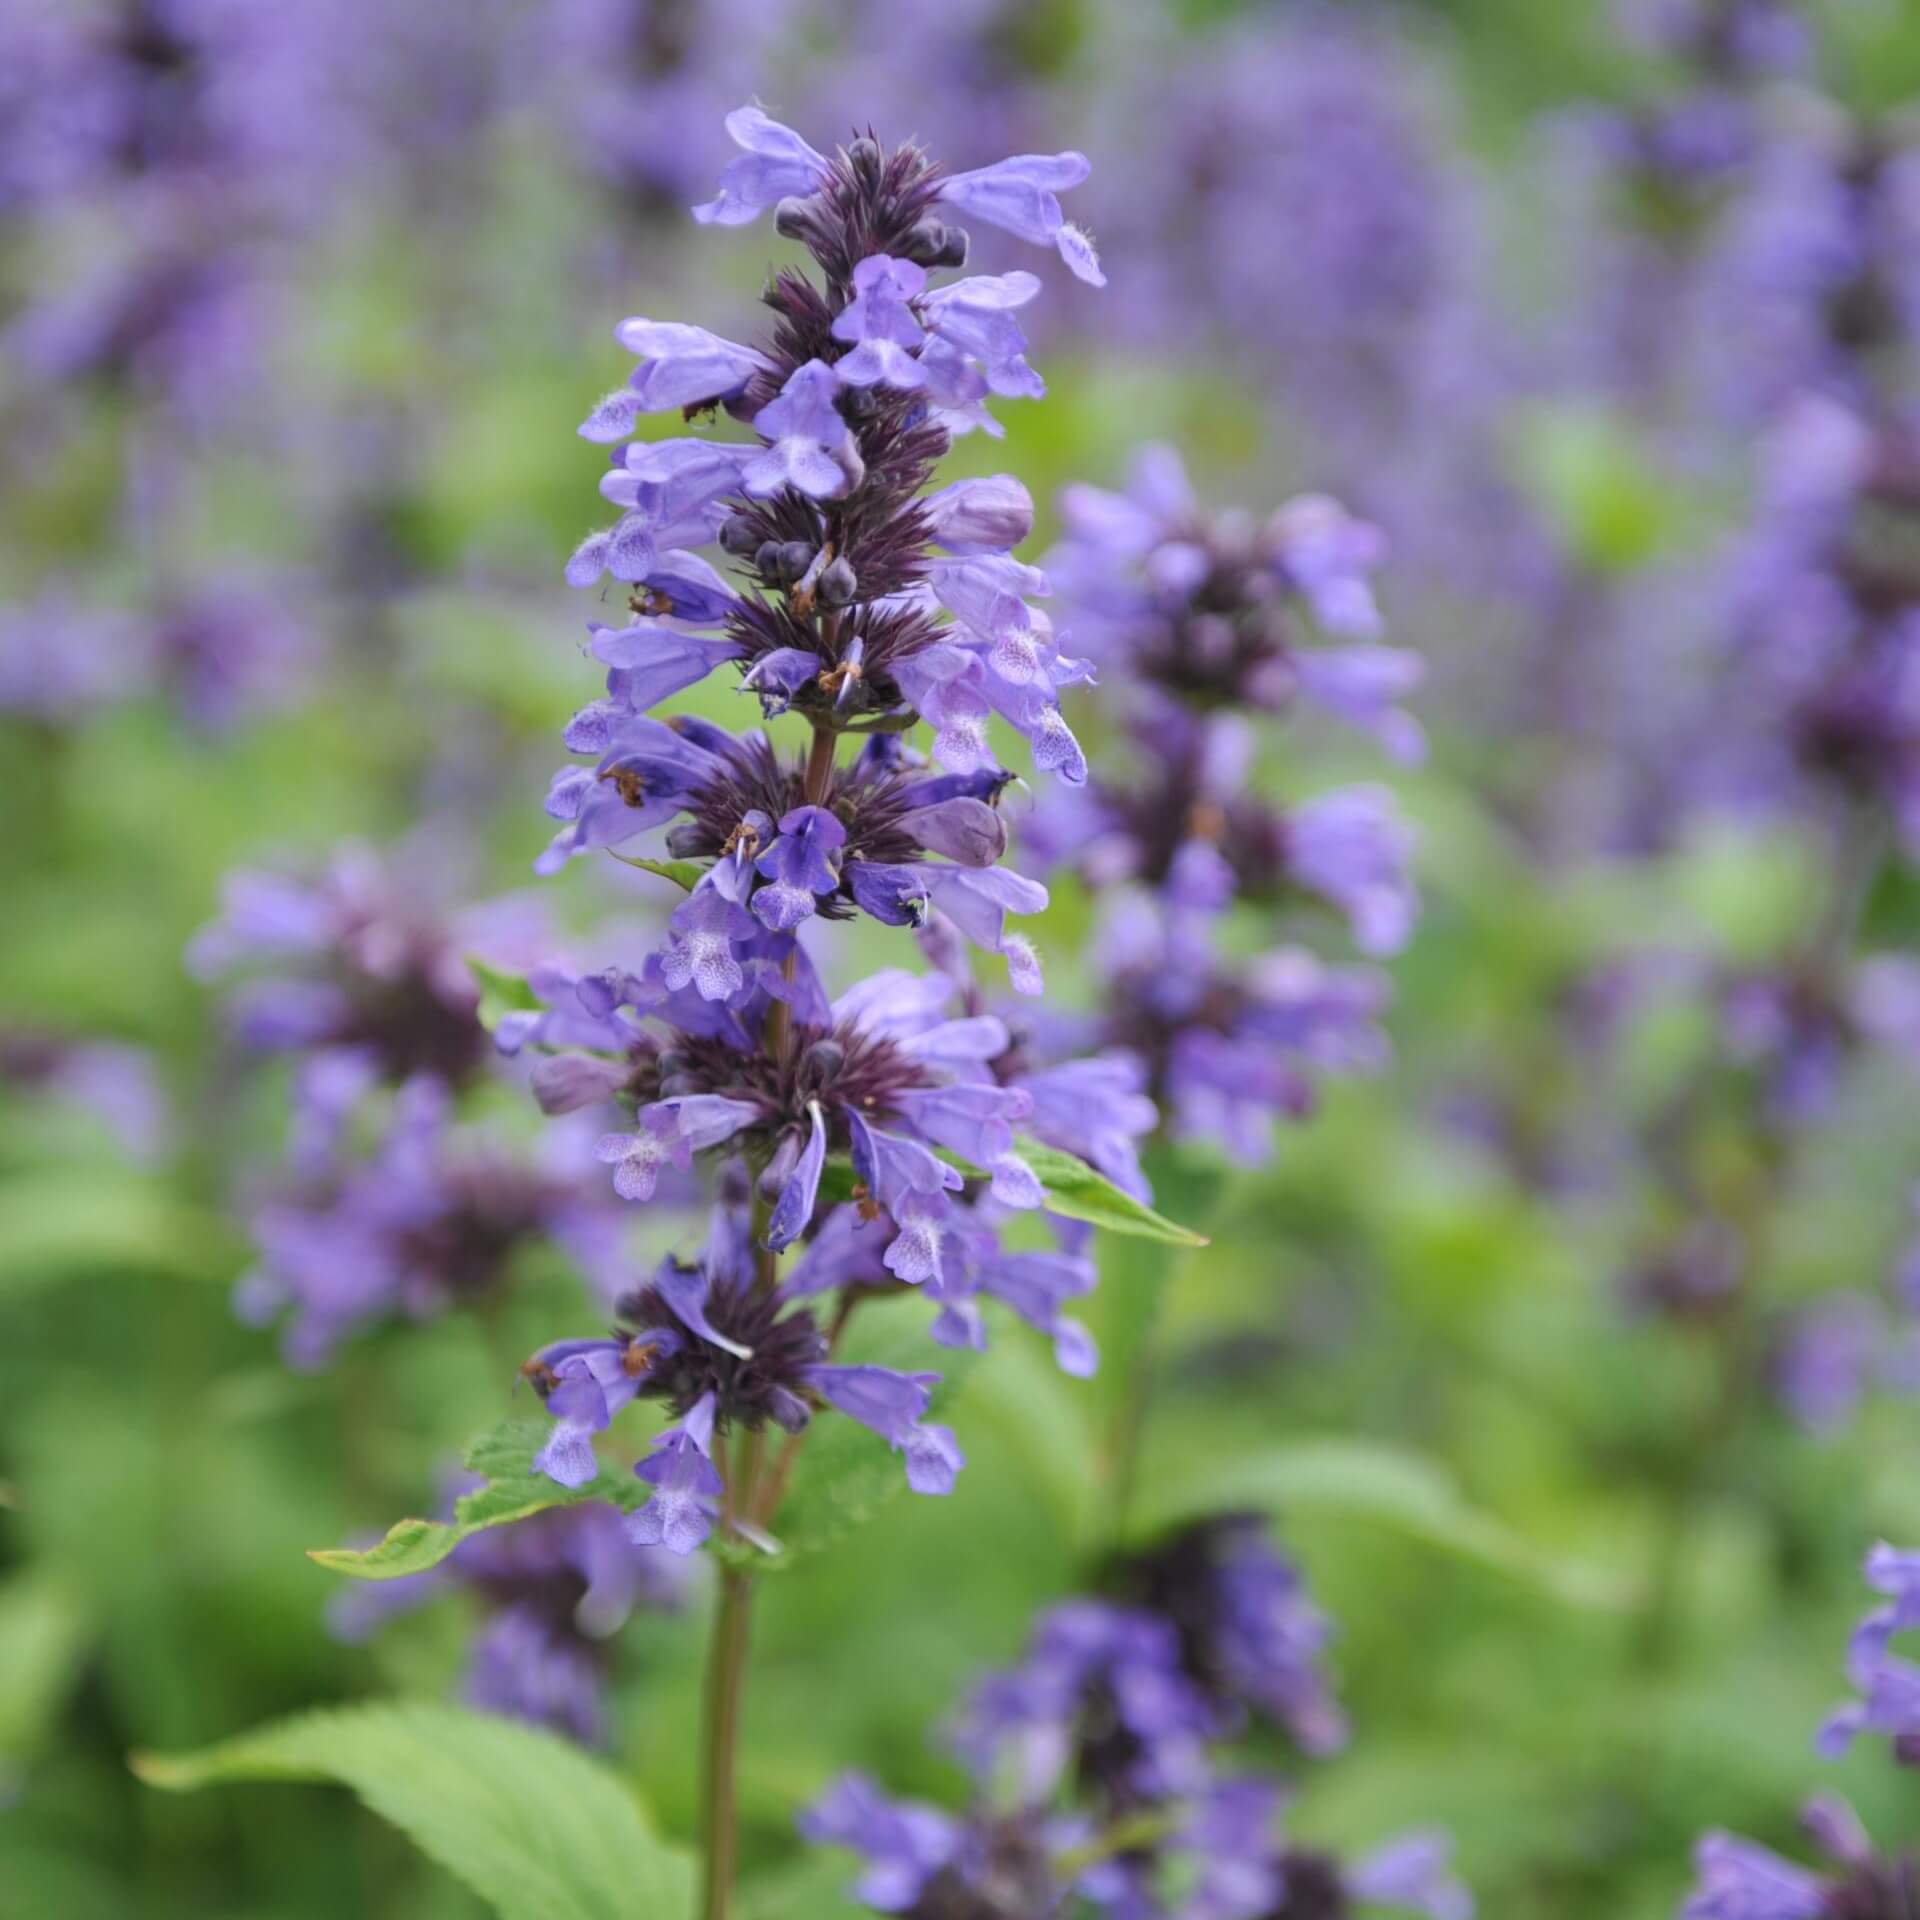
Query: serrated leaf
point(501, 993)
point(1372, 1481)
point(685, 874)
point(539, 1829)
point(514, 1491)
point(60, 1226)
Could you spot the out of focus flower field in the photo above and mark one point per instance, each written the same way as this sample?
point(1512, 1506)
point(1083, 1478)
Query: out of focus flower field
point(1560, 1315)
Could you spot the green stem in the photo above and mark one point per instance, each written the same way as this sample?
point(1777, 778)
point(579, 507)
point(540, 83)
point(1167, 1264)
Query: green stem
point(726, 1683)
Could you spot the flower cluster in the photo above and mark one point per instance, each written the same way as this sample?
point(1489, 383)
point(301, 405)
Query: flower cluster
point(724, 1355)
point(1101, 1781)
point(876, 1132)
point(434, 1217)
point(553, 1591)
point(1207, 616)
point(358, 973)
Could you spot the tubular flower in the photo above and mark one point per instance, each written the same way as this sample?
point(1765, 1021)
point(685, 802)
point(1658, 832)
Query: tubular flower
point(723, 1353)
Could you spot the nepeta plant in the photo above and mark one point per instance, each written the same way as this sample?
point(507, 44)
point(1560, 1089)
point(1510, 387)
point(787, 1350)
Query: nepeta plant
point(880, 1137)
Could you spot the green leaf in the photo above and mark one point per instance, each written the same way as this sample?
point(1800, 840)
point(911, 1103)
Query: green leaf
point(812, 1889)
point(1077, 1191)
point(68, 1225)
point(513, 1491)
point(539, 1829)
point(501, 993)
point(685, 874)
point(1367, 1480)
point(1074, 1190)
point(43, 1638)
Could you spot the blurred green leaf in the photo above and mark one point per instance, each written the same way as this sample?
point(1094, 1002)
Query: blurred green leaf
point(501, 993)
point(43, 1636)
point(72, 1224)
point(539, 1829)
point(813, 1889)
point(1366, 1480)
point(513, 1492)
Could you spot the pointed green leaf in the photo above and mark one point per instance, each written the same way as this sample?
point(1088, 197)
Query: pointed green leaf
point(1077, 1191)
point(1368, 1480)
point(685, 874)
point(536, 1827)
point(513, 1492)
point(501, 993)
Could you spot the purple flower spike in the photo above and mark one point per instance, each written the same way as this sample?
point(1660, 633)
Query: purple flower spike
point(775, 163)
point(1020, 195)
point(813, 448)
point(802, 863)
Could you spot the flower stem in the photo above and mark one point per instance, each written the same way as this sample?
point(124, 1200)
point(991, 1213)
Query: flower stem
point(726, 1682)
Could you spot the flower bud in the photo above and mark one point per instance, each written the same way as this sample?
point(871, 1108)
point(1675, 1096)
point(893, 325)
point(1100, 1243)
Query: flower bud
point(793, 218)
point(739, 536)
point(865, 157)
point(935, 244)
point(837, 585)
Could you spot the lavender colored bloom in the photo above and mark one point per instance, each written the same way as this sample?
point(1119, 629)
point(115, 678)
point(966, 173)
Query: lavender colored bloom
point(775, 162)
point(1888, 1685)
point(116, 1085)
point(723, 1352)
point(1021, 195)
point(1249, 1637)
point(1737, 1880)
point(852, 403)
point(358, 973)
point(433, 1220)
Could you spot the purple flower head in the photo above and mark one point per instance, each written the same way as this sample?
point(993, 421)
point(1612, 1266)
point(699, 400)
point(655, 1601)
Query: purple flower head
point(433, 1220)
point(1889, 1686)
point(722, 1351)
point(360, 974)
point(843, 617)
point(1250, 1638)
point(1735, 1879)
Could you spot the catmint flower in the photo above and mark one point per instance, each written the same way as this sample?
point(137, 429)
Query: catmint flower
point(555, 1589)
point(884, 1075)
point(1226, 1049)
point(1222, 611)
point(1250, 1638)
point(863, 603)
point(356, 973)
point(1736, 1879)
point(1889, 1686)
point(723, 1353)
point(1100, 1694)
point(116, 1086)
point(433, 1219)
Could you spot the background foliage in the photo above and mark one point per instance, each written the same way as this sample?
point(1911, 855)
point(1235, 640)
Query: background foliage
point(1556, 1637)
